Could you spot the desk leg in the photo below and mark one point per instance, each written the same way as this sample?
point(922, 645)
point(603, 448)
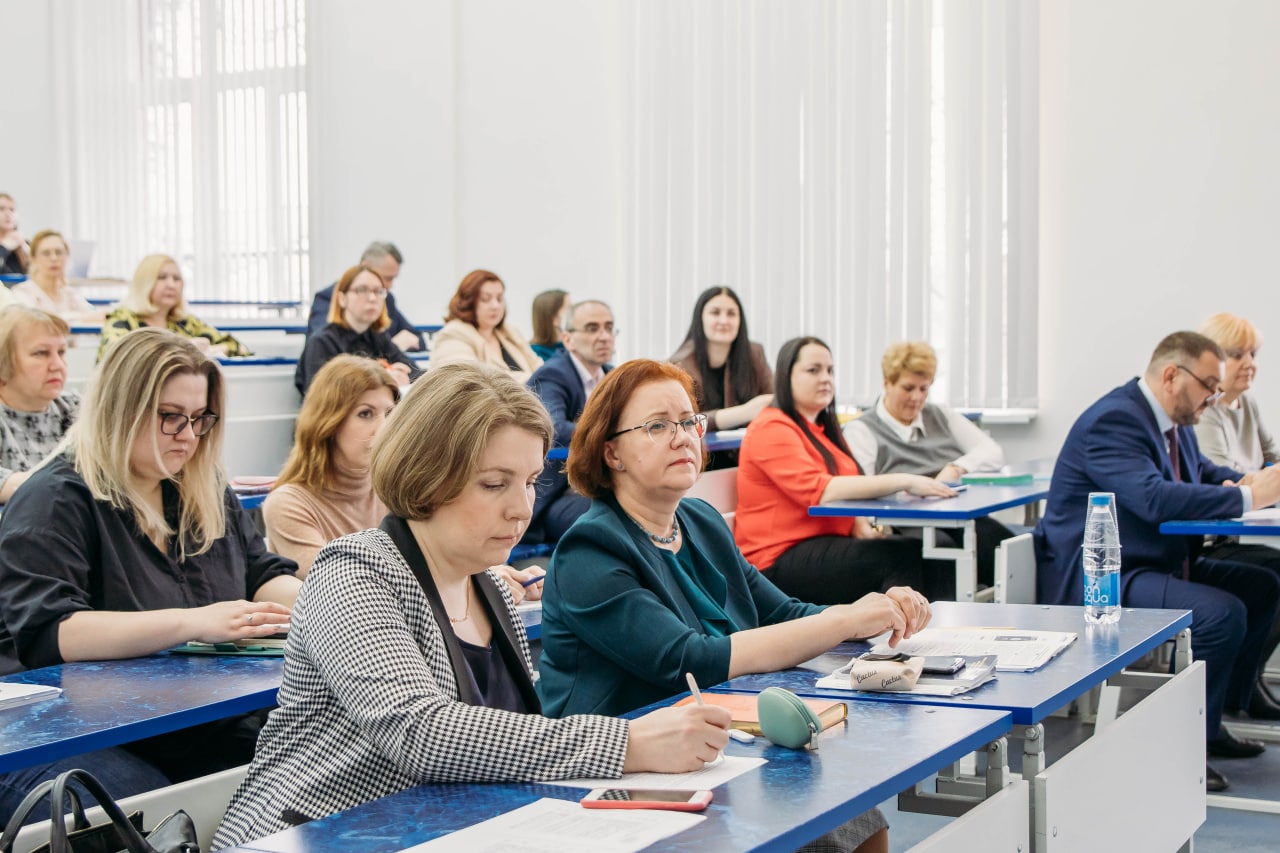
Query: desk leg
point(965, 558)
point(1032, 751)
point(1182, 650)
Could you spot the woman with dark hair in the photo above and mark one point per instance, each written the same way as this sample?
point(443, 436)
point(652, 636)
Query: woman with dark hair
point(549, 309)
point(358, 323)
point(731, 375)
point(476, 329)
point(794, 456)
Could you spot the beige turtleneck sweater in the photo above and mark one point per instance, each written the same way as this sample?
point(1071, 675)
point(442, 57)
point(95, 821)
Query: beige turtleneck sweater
point(300, 522)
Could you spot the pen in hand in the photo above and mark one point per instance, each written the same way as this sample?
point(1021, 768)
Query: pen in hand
point(693, 687)
point(531, 581)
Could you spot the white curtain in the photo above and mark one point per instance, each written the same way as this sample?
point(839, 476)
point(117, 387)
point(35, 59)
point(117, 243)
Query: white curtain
point(861, 171)
point(186, 123)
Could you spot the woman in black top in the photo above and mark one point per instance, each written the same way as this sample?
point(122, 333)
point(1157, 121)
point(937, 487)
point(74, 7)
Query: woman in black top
point(357, 326)
point(129, 542)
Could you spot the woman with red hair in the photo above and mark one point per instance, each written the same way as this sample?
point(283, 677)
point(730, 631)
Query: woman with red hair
point(476, 329)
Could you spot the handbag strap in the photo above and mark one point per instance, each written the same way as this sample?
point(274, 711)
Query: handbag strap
point(28, 805)
point(133, 840)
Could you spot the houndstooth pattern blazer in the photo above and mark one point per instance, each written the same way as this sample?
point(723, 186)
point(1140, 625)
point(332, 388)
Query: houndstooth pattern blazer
point(369, 704)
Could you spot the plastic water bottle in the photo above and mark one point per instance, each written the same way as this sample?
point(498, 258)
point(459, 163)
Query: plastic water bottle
point(1101, 560)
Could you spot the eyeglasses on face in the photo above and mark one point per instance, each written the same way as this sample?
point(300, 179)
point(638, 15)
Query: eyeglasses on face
point(661, 429)
point(1213, 390)
point(363, 291)
point(593, 329)
point(173, 423)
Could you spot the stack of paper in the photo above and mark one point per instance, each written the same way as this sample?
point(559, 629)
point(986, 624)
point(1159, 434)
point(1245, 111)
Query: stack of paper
point(13, 695)
point(1016, 650)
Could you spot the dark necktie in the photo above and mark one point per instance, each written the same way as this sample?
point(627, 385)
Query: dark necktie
point(1174, 456)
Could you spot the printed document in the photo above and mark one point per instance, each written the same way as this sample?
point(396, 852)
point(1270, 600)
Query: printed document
point(1016, 650)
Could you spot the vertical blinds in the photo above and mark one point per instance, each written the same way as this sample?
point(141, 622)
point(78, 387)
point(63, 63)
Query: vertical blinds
point(187, 130)
point(860, 171)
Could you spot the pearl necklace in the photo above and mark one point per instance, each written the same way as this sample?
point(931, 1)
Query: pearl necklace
point(661, 540)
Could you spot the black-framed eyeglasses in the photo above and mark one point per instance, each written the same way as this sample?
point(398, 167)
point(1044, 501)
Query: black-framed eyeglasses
point(661, 429)
point(1214, 391)
point(173, 423)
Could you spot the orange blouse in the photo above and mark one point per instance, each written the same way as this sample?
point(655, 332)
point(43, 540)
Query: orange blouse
point(780, 475)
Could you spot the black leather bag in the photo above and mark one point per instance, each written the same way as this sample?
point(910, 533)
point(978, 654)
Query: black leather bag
point(175, 834)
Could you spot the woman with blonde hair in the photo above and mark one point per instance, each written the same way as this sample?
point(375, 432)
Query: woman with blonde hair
point(129, 542)
point(407, 662)
point(155, 299)
point(46, 286)
point(36, 409)
point(358, 323)
point(476, 329)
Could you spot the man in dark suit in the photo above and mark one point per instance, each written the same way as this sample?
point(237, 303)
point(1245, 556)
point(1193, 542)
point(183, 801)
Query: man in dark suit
point(1137, 442)
point(385, 259)
point(563, 383)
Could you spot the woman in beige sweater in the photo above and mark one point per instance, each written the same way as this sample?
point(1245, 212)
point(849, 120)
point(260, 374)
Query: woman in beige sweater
point(324, 490)
point(476, 329)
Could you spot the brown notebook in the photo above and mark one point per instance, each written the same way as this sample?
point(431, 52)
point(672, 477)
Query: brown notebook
point(745, 716)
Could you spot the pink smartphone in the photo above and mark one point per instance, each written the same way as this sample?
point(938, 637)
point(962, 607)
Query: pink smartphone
point(618, 798)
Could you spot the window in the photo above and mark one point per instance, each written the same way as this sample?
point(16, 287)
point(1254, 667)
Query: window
point(186, 123)
point(863, 172)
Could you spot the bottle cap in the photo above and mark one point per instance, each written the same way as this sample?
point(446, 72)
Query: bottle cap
point(1102, 499)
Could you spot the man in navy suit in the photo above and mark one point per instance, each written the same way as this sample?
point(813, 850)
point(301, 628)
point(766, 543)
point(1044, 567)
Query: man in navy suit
point(563, 383)
point(1126, 443)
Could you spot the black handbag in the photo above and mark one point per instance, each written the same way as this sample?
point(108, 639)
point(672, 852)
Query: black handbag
point(175, 834)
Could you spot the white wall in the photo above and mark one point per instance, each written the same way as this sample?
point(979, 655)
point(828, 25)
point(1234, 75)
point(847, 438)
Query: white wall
point(472, 134)
point(1160, 190)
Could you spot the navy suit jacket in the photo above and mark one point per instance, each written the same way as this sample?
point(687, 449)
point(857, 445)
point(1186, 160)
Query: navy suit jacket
point(1116, 446)
point(320, 316)
point(559, 386)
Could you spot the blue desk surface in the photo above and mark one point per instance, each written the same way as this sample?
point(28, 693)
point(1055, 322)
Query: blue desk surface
point(1099, 652)
point(974, 502)
point(108, 703)
point(1224, 527)
point(796, 797)
point(723, 440)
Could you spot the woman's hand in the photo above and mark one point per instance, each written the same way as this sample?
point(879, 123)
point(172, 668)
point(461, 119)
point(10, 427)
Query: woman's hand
point(237, 620)
point(951, 474)
point(871, 616)
point(927, 487)
point(516, 582)
point(864, 529)
point(914, 607)
point(677, 740)
point(400, 372)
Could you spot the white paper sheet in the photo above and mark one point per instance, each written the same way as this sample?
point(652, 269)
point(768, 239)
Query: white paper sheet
point(560, 826)
point(1017, 649)
point(717, 773)
point(1268, 514)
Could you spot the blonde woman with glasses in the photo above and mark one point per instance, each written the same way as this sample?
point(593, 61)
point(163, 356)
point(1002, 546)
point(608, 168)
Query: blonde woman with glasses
point(128, 542)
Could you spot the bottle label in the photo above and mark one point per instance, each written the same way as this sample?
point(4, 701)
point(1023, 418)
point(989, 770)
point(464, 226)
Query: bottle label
point(1102, 590)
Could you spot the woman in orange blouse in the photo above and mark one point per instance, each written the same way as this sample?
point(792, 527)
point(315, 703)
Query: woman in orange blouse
point(794, 456)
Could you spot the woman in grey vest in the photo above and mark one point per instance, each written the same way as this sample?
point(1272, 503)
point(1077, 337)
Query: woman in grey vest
point(906, 434)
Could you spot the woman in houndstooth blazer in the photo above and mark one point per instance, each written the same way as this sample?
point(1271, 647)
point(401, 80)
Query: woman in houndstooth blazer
point(406, 662)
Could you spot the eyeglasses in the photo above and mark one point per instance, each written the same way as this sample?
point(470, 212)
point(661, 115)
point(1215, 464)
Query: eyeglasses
point(662, 430)
point(593, 329)
point(1213, 390)
point(376, 292)
point(173, 423)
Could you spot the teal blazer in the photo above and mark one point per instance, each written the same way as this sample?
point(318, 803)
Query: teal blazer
point(618, 632)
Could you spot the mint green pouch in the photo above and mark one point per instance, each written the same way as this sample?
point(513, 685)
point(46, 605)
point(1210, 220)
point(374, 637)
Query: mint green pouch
point(786, 720)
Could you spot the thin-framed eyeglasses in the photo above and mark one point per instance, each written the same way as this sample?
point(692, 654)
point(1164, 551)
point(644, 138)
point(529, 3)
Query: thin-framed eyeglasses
point(593, 329)
point(173, 423)
point(363, 290)
point(661, 429)
point(1214, 391)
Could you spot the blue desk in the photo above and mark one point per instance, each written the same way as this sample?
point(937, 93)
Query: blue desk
point(712, 441)
point(930, 513)
point(108, 703)
point(795, 797)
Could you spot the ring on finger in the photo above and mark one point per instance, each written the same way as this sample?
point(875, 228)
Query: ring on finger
point(248, 620)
